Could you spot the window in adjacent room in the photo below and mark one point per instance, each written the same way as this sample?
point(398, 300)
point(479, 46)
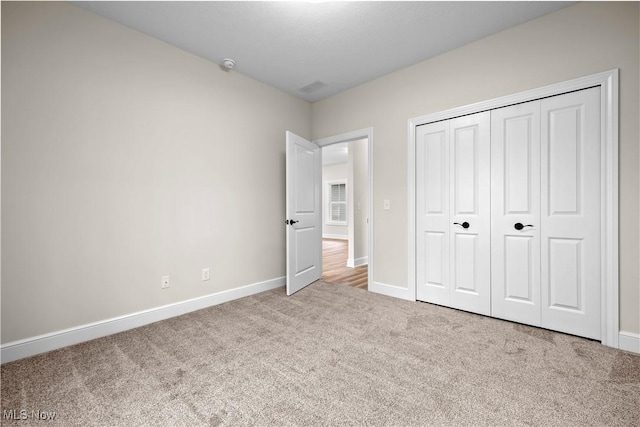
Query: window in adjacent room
point(336, 203)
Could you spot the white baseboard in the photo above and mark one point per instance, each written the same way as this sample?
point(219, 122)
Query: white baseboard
point(392, 291)
point(335, 236)
point(353, 263)
point(42, 343)
point(629, 341)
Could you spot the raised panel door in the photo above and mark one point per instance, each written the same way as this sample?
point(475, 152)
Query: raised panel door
point(515, 199)
point(304, 220)
point(469, 222)
point(571, 170)
point(432, 213)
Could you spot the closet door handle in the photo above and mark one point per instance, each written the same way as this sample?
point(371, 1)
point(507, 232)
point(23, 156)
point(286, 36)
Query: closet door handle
point(520, 226)
point(464, 224)
point(290, 221)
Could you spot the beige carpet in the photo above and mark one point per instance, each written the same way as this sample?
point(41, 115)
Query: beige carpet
point(330, 355)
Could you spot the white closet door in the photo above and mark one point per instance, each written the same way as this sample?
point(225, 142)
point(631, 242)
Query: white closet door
point(570, 222)
point(509, 213)
point(432, 213)
point(515, 213)
point(470, 209)
point(453, 213)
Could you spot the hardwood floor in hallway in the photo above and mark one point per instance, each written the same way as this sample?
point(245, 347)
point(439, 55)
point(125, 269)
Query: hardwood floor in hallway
point(335, 270)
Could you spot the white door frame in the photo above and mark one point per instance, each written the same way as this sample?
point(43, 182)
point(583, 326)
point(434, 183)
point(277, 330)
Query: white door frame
point(608, 82)
point(355, 136)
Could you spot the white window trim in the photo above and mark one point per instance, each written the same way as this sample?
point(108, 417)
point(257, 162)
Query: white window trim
point(327, 203)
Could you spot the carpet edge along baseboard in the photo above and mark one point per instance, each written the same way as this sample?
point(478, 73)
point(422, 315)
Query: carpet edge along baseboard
point(32, 346)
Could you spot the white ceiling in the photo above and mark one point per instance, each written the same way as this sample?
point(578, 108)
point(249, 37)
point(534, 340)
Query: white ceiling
point(335, 154)
point(291, 45)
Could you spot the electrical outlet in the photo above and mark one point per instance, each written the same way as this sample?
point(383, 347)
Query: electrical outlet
point(164, 282)
point(205, 274)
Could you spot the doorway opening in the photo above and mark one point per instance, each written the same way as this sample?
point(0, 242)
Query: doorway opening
point(346, 211)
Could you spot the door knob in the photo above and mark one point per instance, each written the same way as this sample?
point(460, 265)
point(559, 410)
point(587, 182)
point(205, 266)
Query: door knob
point(290, 221)
point(520, 226)
point(464, 224)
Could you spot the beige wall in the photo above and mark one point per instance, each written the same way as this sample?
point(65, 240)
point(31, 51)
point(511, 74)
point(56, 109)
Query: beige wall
point(333, 173)
point(125, 159)
point(579, 40)
point(358, 199)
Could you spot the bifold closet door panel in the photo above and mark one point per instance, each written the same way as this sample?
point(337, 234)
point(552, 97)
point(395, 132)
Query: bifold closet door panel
point(432, 213)
point(470, 213)
point(571, 170)
point(453, 213)
point(515, 213)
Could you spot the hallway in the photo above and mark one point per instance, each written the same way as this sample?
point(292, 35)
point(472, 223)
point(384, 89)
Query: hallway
point(335, 270)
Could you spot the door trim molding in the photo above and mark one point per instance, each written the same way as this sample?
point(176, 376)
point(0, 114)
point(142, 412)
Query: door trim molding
point(355, 136)
point(608, 82)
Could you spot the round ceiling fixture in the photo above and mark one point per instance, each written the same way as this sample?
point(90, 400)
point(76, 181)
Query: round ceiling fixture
point(228, 63)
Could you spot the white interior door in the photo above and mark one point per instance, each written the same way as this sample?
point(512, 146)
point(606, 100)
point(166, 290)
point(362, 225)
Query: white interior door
point(453, 213)
point(515, 213)
point(470, 228)
point(304, 215)
point(546, 211)
point(553, 209)
point(571, 171)
point(432, 213)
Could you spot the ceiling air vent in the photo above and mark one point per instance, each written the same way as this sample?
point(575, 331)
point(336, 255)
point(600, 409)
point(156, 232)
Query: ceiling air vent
point(312, 87)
